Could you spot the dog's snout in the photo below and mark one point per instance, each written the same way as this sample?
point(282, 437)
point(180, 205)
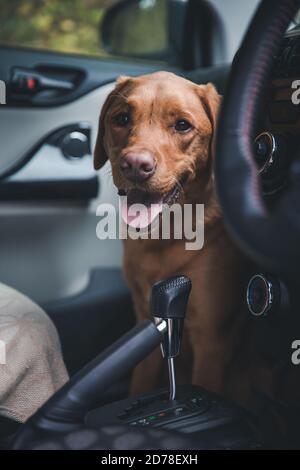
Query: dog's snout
point(137, 167)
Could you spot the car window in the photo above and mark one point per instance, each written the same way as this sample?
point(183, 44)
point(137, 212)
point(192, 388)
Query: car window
point(74, 26)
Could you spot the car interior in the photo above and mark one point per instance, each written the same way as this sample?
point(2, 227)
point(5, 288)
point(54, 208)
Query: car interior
point(49, 193)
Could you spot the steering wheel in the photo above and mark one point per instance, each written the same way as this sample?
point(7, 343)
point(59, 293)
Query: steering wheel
point(270, 237)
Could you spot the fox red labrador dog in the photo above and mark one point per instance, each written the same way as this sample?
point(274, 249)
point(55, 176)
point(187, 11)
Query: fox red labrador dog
point(157, 132)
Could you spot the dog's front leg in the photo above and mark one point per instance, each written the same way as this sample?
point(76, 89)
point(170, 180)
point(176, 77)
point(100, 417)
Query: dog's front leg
point(210, 363)
point(148, 374)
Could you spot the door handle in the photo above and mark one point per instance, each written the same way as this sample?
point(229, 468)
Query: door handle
point(30, 82)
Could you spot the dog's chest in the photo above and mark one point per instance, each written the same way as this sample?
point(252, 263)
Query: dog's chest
point(146, 263)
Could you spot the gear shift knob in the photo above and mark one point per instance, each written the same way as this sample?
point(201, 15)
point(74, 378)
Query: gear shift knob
point(168, 302)
point(169, 298)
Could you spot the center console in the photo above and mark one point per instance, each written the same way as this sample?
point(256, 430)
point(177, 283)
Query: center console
point(186, 409)
point(195, 412)
point(199, 417)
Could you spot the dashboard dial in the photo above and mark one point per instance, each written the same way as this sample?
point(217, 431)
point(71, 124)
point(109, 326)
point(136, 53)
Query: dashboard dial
point(266, 295)
point(271, 154)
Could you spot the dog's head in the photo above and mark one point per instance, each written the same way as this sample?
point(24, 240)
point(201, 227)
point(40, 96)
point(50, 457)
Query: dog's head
point(156, 130)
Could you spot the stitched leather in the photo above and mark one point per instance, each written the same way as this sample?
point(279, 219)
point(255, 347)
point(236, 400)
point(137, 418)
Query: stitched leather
point(270, 238)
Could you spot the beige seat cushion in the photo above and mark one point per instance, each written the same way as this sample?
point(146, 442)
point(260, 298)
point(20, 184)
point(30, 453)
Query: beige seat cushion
point(31, 364)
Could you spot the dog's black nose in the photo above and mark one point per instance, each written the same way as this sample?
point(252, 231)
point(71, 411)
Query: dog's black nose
point(137, 167)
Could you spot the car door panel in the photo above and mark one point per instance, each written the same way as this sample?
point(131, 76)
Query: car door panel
point(94, 72)
point(33, 126)
point(59, 246)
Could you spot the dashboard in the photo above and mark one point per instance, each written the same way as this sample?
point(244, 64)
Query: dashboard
point(276, 144)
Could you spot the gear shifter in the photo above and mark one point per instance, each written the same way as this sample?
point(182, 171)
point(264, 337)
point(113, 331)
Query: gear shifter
point(74, 406)
point(168, 302)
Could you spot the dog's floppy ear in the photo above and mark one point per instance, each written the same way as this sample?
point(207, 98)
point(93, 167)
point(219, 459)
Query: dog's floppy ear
point(211, 101)
point(100, 156)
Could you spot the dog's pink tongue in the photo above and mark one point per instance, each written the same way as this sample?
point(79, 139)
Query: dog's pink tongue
point(141, 215)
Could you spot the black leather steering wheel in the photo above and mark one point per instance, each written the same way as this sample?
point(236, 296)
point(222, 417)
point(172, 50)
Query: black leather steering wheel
point(271, 238)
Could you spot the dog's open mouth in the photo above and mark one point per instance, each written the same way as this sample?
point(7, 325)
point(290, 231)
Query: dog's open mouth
point(140, 208)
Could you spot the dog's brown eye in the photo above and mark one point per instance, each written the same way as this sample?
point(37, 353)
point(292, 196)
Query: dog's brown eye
point(122, 119)
point(183, 126)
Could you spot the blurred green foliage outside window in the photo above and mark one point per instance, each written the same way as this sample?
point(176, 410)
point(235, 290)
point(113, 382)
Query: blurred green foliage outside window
point(73, 26)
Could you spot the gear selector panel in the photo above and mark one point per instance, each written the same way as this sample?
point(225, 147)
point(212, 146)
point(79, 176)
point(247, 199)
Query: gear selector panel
point(195, 410)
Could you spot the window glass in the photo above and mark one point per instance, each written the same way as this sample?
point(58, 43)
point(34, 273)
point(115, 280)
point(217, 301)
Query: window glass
point(74, 26)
